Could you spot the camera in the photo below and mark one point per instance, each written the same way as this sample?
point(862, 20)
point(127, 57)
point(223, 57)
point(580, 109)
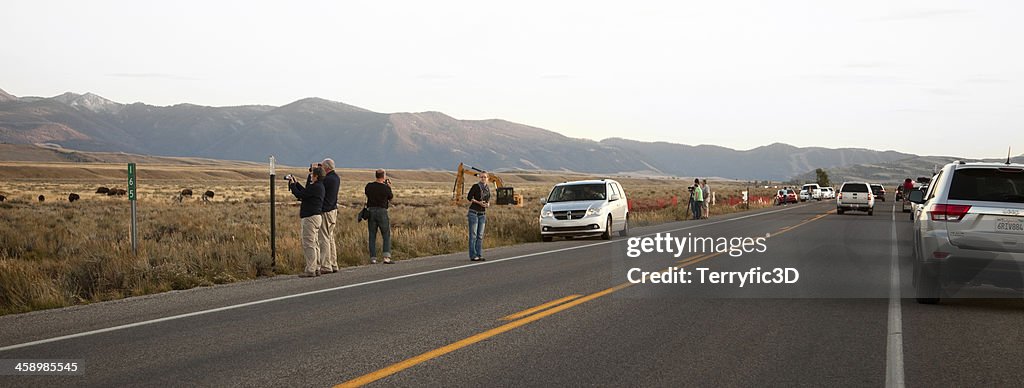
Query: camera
point(387, 181)
point(690, 188)
point(289, 177)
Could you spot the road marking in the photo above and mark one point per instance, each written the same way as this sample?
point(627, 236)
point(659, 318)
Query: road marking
point(408, 363)
point(411, 362)
point(332, 289)
point(894, 343)
point(537, 308)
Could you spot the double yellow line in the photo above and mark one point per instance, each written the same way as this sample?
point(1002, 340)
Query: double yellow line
point(525, 317)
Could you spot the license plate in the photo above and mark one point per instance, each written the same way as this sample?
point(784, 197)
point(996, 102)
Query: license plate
point(1009, 225)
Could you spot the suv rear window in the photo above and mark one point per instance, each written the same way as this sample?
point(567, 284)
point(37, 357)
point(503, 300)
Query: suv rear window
point(855, 188)
point(988, 184)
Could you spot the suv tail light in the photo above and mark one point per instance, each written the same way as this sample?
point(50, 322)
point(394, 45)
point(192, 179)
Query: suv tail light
point(944, 212)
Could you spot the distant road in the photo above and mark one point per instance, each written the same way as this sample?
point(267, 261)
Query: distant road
point(558, 313)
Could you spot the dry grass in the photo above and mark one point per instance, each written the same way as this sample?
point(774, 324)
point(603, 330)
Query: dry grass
point(56, 253)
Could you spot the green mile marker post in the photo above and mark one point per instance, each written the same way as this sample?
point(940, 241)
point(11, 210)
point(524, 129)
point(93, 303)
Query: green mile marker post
point(132, 195)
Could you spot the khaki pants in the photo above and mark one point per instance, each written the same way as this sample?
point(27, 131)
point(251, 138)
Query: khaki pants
point(310, 243)
point(328, 250)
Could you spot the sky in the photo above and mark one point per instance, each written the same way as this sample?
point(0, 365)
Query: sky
point(925, 77)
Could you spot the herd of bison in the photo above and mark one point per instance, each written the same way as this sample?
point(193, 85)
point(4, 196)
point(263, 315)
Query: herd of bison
point(185, 193)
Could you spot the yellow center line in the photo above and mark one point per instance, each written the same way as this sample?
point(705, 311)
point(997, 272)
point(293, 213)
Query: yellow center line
point(539, 308)
point(403, 365)
point(574, 300)
point(689, 258)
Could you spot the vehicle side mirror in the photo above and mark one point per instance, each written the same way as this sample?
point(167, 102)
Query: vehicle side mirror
point(916, 196)
point(543, 201)
point(614, 197)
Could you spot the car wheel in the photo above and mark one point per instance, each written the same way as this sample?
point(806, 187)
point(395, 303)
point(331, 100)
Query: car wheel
point(546, 238)
point(625, 228)
point(840, 211)
point(927, 284)
point(607, 229)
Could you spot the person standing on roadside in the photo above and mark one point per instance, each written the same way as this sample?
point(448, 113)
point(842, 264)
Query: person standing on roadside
point(378, 197)
point(698, 199)
point(329, 214)
point(480, 199)
point(312, 197)
point(706, 190)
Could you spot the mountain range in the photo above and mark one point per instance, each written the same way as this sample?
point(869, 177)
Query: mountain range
point(312, 128)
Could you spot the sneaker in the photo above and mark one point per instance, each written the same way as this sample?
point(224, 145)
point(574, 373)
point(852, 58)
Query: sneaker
point(481, 259)
point(335, 269)
point(373, 260)
point(325, 271)
point(387, 260)
point(307, 275)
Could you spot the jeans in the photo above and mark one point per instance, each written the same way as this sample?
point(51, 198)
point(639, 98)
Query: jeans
point(379, 220)
point(477, 221)
point(696, 209)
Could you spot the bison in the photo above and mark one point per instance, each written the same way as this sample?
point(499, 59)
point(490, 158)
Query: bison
point(73, 197)
point(186, 193)
point(208, 195)
point(42, 198)
point(119, 192)
point(102, 190)
point(3, 198)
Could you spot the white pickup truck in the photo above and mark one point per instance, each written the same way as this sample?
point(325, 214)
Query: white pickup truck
point(855, 196)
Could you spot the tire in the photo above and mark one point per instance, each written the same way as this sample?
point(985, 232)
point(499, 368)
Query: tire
point(927, 284)
point(607, 235)
point(546, 238)
point(625, 228)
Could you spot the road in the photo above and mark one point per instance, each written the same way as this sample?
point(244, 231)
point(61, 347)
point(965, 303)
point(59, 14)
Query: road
point(444, 321)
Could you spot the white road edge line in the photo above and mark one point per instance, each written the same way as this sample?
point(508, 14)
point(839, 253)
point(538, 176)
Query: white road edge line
point(280, 298)
point(894, 344)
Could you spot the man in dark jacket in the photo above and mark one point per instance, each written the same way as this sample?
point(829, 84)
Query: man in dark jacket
point(329, 213)
point(312, 197)
point(378, 197)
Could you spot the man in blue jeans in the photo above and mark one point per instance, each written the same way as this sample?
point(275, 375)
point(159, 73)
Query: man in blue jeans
point(479, 198)
point(378, 197)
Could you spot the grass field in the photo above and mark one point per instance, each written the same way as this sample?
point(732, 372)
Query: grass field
point(55, 253)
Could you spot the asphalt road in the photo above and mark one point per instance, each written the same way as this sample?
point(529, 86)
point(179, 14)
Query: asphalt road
point(444, 321)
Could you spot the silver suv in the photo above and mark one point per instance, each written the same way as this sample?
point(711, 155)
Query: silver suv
point(969, 229)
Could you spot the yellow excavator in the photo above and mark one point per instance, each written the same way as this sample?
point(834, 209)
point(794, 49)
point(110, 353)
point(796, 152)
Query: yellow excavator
point(505, 195)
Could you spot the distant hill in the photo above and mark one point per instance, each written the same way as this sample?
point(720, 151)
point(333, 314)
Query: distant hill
point(893, 172)
point(312, 128)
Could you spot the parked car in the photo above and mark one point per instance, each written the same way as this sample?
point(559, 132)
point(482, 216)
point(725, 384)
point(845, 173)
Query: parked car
point(970, 229)
point(585, 208)
point(804, 195)
point(855, 196)
point(878, 191)
point(813, 191)
point(785, 196)
point(828, 193)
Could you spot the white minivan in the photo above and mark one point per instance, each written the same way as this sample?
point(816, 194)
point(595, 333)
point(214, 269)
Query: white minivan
point(585, 208)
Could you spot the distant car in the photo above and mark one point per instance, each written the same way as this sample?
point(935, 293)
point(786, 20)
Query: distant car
point(828, 193)
point(585, 208)
point(785, 196)
point(878, 191)
point(804, 195)
point(813, 191)
point(969, 229)
point(855, 196)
